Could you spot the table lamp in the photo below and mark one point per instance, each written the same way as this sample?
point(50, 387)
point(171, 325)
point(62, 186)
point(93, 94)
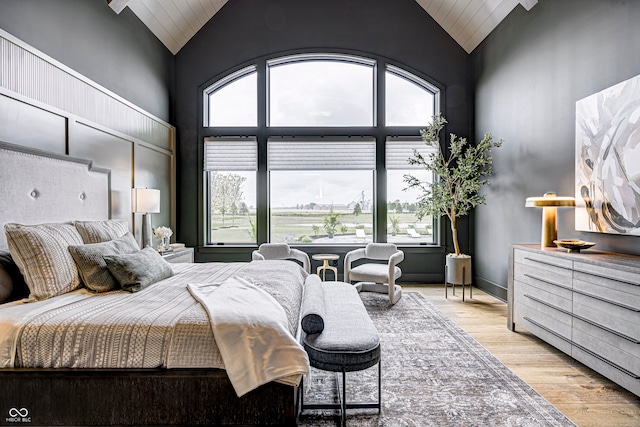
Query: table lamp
point(549, 204)
point(145, 201)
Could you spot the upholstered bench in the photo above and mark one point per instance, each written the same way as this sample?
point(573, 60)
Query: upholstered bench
point(339, 336)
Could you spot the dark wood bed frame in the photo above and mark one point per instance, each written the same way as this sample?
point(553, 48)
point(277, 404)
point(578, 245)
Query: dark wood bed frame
point(93, 397)
point(96, 397)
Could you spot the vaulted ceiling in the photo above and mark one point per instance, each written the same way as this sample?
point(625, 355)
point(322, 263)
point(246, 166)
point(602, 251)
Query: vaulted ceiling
point(174, 22)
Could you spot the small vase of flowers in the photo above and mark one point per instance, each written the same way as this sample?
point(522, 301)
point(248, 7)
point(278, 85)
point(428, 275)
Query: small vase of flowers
point(164, 234)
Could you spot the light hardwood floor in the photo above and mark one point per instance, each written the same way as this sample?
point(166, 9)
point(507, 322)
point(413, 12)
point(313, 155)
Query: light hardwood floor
point(584, 396)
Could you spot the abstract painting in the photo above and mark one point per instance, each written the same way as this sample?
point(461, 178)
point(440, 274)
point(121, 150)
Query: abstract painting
point(608, 160)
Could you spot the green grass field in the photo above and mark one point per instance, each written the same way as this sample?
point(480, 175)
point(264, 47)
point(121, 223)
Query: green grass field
point(296, 226)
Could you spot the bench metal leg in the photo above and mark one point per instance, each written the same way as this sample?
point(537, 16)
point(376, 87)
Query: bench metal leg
point(342, 404)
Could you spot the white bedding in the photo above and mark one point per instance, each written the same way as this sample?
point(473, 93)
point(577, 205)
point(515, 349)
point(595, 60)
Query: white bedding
point(161, 326)
point(247, 336)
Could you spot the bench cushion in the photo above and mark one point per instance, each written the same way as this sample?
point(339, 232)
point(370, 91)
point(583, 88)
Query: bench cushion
point(349, 340)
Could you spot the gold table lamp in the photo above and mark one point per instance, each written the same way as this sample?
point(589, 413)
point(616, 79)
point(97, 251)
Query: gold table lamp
point(549, 204)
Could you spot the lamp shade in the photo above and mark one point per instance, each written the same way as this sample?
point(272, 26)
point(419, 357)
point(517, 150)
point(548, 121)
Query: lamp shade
point(549, 200)
point(145, 200)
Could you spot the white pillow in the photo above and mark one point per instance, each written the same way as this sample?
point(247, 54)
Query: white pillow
point(41, 252)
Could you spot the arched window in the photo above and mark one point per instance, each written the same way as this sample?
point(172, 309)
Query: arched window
point(233, 100)
point(321, 90)
point(321, 132)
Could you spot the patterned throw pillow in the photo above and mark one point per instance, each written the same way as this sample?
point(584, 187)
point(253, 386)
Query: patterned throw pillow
point(138, 270)
point(42, 254)
point(101, 231)
point(93, 269)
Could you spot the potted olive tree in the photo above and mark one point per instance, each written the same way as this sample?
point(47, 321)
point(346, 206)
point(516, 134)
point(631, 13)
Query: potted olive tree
point(460, 175)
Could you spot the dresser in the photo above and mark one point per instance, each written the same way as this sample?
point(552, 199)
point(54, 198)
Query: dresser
point(585, 304)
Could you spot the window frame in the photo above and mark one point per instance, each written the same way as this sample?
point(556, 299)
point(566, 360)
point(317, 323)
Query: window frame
point(380, 132)
point(221, 83)
point(245, 144)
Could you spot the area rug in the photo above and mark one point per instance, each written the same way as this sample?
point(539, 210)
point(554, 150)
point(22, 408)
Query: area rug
point(433, 374)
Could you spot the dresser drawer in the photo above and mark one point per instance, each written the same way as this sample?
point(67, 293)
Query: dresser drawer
point(622, 276)
point(182, 256)
point(617, 350)
point(556, 281)
point(612, 372)
point(613, 290)
point(531, 309)
point(540, 260)
point(531, 288)
point(539, 325)
point(619, 319)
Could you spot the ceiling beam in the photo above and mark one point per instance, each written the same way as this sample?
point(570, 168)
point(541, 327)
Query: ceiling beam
point(117, 5)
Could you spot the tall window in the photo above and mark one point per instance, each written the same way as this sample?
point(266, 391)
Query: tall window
point(403, 226)
point(410, 101)
point(230, 168)
point(319, 176)
point(321, 190)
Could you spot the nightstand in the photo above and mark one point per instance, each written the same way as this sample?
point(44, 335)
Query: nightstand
point(181, 256)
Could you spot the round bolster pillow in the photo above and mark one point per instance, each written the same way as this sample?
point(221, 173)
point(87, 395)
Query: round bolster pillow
point(312, 311)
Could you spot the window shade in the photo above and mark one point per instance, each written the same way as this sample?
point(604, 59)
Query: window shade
point(230, 154)
point(398, 151)
point(334, 154)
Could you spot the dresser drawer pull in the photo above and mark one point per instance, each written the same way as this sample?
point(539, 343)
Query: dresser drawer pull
point(531, 276)
point(604, 328)
point(607, 361)
point(608, 301)
point(544, 262)
point(538, 300)
point(547, 329)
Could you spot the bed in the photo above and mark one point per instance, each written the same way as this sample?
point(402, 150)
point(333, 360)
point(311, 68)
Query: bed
point(159, 356)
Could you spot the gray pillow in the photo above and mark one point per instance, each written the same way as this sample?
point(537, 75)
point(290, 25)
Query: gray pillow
point(101, 231)
point(139, 270)
point(93, 269)
point(312, 310)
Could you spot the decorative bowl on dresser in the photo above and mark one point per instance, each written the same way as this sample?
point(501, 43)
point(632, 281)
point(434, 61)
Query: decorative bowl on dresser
point(585, 304)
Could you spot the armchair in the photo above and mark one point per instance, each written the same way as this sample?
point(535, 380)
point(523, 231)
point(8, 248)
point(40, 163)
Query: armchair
point(281, 251)
point(376, 277)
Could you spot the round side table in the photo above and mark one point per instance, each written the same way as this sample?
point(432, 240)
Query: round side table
point(325, 258)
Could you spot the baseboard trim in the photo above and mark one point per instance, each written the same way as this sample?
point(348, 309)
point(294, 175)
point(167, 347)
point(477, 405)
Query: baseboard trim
point(491, 288)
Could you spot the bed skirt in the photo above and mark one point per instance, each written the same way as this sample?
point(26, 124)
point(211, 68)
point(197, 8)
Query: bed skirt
point(73, 397)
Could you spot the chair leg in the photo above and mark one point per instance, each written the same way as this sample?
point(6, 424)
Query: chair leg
point(380, 385)
point(343, 410)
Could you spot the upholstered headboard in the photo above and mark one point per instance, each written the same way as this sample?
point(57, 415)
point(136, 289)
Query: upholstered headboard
point(37, 187)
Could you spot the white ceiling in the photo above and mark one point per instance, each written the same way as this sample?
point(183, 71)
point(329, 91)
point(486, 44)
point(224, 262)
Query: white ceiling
point(174, 22)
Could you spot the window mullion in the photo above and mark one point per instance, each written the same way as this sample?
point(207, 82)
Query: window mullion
point(380, 182)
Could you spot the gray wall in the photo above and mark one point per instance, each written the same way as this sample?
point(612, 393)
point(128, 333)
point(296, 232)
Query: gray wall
point(116, 51)
point(241, 31)
point(528, 74)
point(119, 53)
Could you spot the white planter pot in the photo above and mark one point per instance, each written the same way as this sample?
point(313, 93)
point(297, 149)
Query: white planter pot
point(458, 269)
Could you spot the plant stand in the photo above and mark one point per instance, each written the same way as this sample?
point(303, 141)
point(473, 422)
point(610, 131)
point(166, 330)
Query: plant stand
point(457, 271)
